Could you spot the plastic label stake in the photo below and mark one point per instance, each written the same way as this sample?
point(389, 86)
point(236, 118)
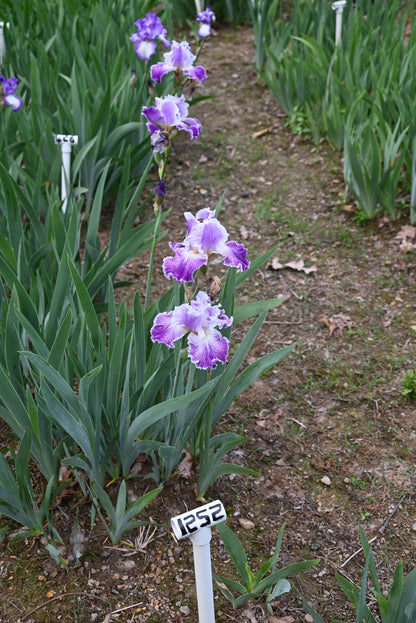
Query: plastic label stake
point(197, 525)
point(66, 141)
point(2, 41)
point(338, 7)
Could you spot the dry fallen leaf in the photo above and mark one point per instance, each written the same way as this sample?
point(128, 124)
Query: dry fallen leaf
point(406, 246)
point(243, 232)
point(407, 231)
point(287, 619)
point(185, 466)
point(248, 616)
point(338, 321)
point(298, 265)
point(247, 524)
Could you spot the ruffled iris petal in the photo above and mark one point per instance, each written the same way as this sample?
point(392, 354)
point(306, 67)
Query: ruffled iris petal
point(180, 55)
point(235, 255)
point(166, 328)
point(196, 73)
point(190, 125)
point(183, 265)
point(208, 350)
point(159, 70)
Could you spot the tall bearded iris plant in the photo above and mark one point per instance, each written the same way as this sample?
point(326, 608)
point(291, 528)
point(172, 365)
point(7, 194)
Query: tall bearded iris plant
point(191, 325)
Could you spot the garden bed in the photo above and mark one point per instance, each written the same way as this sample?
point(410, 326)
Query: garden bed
point(329, 431)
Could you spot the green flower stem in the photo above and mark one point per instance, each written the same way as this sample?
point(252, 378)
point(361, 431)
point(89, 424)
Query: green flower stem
point(156, 231)
point(158, 213)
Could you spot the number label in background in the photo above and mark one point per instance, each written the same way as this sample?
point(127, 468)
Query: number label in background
point(186, 524)
point(66, 138)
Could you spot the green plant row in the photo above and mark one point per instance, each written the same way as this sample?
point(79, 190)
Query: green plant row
point(74, 64)
point(359, 95)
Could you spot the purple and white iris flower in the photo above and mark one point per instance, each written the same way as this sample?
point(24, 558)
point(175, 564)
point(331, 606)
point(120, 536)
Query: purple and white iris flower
point(179, 59)
point(201, 320)
point(149, 29)
point(9, 88)
point(169, 115)
point(205, 236)
point(205, 19)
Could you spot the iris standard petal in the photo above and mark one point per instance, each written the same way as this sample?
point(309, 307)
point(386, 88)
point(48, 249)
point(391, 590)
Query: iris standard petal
point(212, 236)
point(180, 55)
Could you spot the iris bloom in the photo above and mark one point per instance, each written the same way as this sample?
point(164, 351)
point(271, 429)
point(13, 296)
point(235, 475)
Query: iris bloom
point(149, 29)
point(169, 115)
point(201, 321)
point(179, 59)
point(9, 87)
point(205, 236)
point(205, 19)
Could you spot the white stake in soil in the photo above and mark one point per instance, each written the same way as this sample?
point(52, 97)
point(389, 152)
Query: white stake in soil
point(338, 8)
point(197, 525)
point(2, 41)
point(66, 141)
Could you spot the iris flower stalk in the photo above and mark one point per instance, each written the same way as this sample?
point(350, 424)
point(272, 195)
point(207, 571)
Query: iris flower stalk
point(157, 206)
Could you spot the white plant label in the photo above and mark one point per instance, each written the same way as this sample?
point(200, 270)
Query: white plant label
point(72, 139)
point(204, 516)
point(339, 5)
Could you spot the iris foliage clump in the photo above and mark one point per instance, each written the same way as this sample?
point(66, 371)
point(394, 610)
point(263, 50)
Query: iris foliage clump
point(359, 94)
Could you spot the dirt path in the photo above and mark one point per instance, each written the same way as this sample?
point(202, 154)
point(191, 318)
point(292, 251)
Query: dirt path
point(328, 430)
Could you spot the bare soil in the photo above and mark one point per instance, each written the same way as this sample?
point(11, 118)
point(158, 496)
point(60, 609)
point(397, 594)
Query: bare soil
point(329, 431)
